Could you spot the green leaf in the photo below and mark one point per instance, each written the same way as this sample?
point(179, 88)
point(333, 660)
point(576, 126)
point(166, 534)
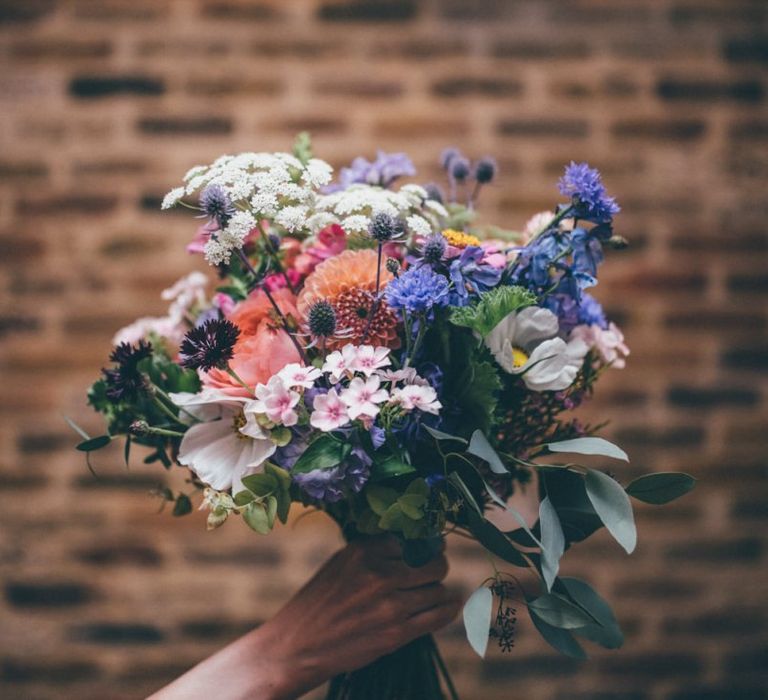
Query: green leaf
point(552, 541)
point(559, 639)
point(380, 498)
point(282, 476)
point(440, 435)
point(392, 518)
point(494, 306)
point(182, 506)
point(412, 505)
point(93, 444)
point(271, 510)
point(261, 484)
point(283, 506)
point(661, 487)
point(325, 452)
point(255, 515)
point(589, 446)
point(494, 540)
point(418, 487)
point(560, 612)
point(477, 619)
point(302, 147)
point(127, 451)
point(243, 498)
point(466, 494)
point(480, 447)
point(568, 494)
point(389, 467)
point(606, 630)
point(612, 504)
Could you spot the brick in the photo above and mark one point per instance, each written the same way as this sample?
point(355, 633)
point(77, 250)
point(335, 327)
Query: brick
point(104, 481)
point(364, 88)
point(715, 320)
point(216, 628)
point(748, 509)
point(23, 170)
point(53, 671)
point(584, 14)
point(185, 126)
point(119, 554)
point(710, 90)
point(749, 242)
point(11, 325)
point(72, 203)
point(690, 13)
point(60, 49)
point(671, 664)
point(239, 11)
point(747, 661)
point(477, 87)
point(540, 50)
point(30, 594)
point(24, 11)
point(116, 633)
point(682, 130)
point(748, 131)
point(609, 695)
point(219, 87)
point(748, 284)
point(715, 624)
point(507, 669)
point(716, 551)
point(747, 49)
point(299, 49)
point(109, 167)
point(97, 86)
point(476, 11)
point(119, 11)
point(315, 125)
point(711, 397)
point(250, 556)
point(543, 128)
point(662, 438)
point(19, 482)
point(367, 10)
point(421, 49)
point(42, 442)
point(753, 357)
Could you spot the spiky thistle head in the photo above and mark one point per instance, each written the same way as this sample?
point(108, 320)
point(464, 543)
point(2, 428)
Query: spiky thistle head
point(210, 345)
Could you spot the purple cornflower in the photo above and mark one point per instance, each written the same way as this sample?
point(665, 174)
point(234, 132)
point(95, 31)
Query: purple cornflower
point(125, 382)
point(330, 484)
point(470, 276)
point(383, 171)
point(417, 290)
point(210, 345)
point(215, 202)
point(585, 188)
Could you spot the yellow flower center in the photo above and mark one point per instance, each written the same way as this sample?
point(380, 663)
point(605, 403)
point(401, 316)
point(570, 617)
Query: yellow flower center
point(519, 358)
point(238, 422)
point(459, 239)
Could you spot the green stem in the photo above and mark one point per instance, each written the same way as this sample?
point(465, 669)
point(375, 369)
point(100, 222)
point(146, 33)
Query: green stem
point(237, 378)
point(167, 411)
point(273, 252)
point(160, 392)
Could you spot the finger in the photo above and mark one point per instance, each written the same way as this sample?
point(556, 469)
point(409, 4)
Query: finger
point(432, 572)
point(432, 619)
point(416, 600)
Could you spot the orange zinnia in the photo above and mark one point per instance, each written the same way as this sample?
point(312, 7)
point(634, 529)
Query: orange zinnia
point(348, 282)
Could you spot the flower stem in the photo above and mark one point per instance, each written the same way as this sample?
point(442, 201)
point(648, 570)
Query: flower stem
point(274, 255)
point(375, 304)
point(159, 392)
point(237, 378)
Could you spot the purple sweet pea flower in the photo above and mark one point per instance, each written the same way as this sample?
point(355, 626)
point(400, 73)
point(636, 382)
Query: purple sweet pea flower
point(470, 276)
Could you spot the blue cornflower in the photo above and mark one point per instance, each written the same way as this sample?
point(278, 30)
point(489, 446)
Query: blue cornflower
point(470, 276)
point(417, 290)
point(585, 188)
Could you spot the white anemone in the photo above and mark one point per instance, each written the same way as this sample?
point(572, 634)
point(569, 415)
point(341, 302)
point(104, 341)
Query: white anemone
point(225, 446)
point(525, 342)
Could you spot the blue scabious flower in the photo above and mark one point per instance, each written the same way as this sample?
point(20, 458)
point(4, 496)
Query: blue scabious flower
point(387, 168)
point(417, 290)
point(585, 188)
point(470, 276)
point(330, 484)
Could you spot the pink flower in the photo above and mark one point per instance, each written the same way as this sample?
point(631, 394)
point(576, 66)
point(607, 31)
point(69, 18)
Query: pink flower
point(329, 242)
point(277, 279)
point(277, 402)
point(608, 342)
point(296, 375)
point(362, 397)
point(368, 359)
point(417, 396)
point(493, 254)
point(340, 362)
point(224, 302)
point(329, 412)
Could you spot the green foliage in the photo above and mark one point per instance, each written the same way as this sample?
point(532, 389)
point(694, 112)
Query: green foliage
point(559, 639)
point(477, 619)
point(182, 505)
point(482, 448)
point(661, 487)
point(459, 216)
point(267, 497)
point(395, 512)
point(493, 539)
point(93, 444)
point(612, 504)
point(556, 610)
point(479, 384)
point(387, 466)
point(493, 307)
point(302, 147)
point(552, 541)
point(323, 453)
point(589, 446)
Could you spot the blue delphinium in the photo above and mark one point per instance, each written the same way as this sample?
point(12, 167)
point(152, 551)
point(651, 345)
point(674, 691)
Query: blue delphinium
point(591, 312)
point(417, 290)
point(383, 171)
point(585, 188)
point(587, 251)
point(330, 484)
point(470, 276)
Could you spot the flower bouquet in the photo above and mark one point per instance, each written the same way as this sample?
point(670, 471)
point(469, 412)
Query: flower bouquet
point(371, 352)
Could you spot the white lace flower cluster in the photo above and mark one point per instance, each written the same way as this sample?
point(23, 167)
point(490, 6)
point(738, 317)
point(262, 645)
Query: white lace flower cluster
point(353, 207)
point(273, 186)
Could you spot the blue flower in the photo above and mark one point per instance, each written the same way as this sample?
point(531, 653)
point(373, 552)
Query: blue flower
point(417, 290)
point(470, 276)
point(330, 484)
point(587, 252)
point(387, 168)
point(591, 312)
point(585, 188)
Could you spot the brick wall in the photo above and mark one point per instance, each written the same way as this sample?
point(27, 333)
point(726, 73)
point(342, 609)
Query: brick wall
point(105, 103)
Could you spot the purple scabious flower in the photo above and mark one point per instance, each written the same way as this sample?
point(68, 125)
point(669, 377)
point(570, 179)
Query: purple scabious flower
point(470, 276)
point(330, 484)
point(417, 290)
point(584, 186)
point(383, 171)
point(210, 345)
point(591, 312)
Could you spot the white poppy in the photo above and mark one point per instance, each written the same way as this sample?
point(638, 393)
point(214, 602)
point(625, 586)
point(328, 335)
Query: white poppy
point(225, 446)
point(525, 342)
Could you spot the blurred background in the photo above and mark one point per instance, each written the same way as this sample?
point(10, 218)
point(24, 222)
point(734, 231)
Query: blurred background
point(105, 104)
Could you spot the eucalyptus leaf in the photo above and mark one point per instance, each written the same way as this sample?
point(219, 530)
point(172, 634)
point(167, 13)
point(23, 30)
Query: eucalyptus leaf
point(494, 540)
point(412, 505)
point(76, 428)
point(560, 612)
point(439, 435)
point(95, 443)
point(480, 447)
point(127, 451)
point(283, 506)
point(477, 619)
point(606, 631)
point(589, 446)
point(469, 499)
point(323, 453)
point(661, 487)
point(612, 504)
point(389, 467)
point(559, 639)
point(552, 541)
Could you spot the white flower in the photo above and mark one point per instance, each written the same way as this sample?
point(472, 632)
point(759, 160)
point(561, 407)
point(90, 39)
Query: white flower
point(292, 218)
point(609, 343)
point(164, 326)
point(418, 225)
point(329, 412)
point(368, 359)
point(357, 223)
point(276, 402)
point(362, 397)
point(536, 224)
point(415, 396)
point(185, 293)
point(217, 449)
point(525, 343)
point(219, 247)
point(296, 375)
point(172, 197)
point(340, 363)
point(317, 173)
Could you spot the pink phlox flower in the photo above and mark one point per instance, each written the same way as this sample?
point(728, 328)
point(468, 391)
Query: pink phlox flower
point(362, 397)
point(340, 363)
point(295, 375)
point(277, 402)
point(418, 396)
point(329, 413)
point(368, 359)
point(608, 342)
